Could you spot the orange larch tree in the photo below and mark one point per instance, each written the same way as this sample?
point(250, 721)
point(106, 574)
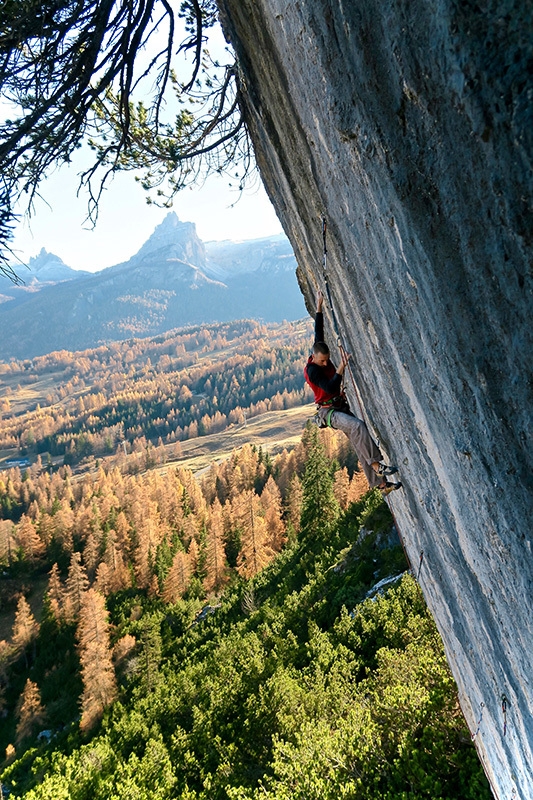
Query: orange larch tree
point(77, 584)
point(178, 578)
point(216, 564)
point(97, 672)
point(255, 553)
point(28, 540)
point(25, 629)
point(294, 504)
point(30, 711)
point(271, 503)
point(56, 594)
point(341, 486)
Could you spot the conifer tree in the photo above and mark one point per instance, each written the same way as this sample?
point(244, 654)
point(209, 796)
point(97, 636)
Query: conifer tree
point(294, 503)
point(30, 711)
point(320, 509)
point(193, 553)
point(55, 593)
point(235, 482)
point(178, 578)
point(6, 537)
point(194, 497)
point(91, 553)
point(28, 539)
point(25, 629)
point(209, 483)
point(251, 468)
point(271, 502)
point(216, 555)
point(102, 581)
point(341, 486)
point(98, 674)
point(119, 575)
point(255, 552)
point(77, 584)
point(123, 530)
point(358, 487)
point(148, 539)
point(63, 526)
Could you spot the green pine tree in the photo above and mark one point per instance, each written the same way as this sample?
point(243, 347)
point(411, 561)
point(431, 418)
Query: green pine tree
point(320, 509)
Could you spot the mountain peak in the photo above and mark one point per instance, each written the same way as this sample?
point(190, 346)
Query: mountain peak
point(173, 239)
point(44, 259)
point(46, 267)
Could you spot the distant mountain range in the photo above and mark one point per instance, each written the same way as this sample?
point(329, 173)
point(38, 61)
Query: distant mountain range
point(174, 280)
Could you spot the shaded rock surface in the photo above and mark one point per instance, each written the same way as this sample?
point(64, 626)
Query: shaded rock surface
point(409, 125)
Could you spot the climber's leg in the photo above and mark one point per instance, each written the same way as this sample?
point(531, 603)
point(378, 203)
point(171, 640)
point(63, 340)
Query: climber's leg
point(367, 450)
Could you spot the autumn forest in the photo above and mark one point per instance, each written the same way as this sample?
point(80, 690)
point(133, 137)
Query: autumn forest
point(167, 633)
point(138, 393)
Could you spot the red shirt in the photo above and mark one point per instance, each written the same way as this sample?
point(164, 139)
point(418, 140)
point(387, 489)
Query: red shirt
point(324, 381)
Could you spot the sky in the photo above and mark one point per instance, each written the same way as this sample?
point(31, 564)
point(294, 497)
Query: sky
point(125, 220)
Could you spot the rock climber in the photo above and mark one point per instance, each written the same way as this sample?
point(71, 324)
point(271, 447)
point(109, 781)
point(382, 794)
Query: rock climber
point(333, 410)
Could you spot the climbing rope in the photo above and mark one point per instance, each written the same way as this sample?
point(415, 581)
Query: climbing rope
point(336, 329)
point(344, 355)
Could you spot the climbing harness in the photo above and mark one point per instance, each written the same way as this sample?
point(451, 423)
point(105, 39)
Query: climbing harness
point(323, 421)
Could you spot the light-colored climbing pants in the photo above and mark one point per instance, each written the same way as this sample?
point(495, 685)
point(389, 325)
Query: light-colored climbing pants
point(367, 450)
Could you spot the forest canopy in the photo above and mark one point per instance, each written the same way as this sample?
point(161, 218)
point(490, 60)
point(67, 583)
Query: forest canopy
point(135, 79)
point(139, 393)
point(203, 639)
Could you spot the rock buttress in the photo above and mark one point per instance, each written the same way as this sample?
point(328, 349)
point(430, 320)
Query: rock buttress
point(410, 126)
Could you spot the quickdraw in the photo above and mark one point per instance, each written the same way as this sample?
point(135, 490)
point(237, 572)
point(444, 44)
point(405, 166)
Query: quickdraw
point(481, 707)
point(504, 712)
point(420, 565)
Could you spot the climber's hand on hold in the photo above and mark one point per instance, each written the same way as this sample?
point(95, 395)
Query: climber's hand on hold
point(319, 301)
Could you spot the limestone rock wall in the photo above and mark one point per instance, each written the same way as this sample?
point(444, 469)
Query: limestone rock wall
point(410, 126)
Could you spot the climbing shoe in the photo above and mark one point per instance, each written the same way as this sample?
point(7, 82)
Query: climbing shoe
point(386, 469)
point(389, 487)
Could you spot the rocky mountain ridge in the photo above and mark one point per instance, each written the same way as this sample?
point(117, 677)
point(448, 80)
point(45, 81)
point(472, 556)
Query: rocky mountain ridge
point(173, 280)
point(48, 268)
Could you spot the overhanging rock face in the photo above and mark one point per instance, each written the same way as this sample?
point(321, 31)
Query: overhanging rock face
point(409, 125)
